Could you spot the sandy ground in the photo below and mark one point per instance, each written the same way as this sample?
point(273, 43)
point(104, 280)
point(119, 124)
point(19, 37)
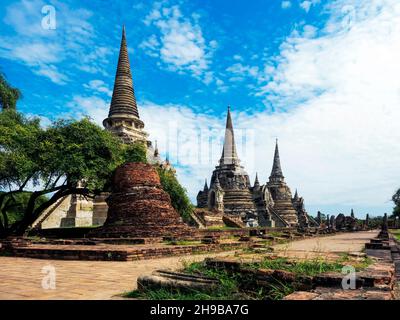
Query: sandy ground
point(325, 246)
point(21, 278)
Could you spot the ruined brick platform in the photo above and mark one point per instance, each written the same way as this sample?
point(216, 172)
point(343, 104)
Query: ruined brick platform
point(104, 252)
point(126, 249)
point(139, 207)
point(376, 282)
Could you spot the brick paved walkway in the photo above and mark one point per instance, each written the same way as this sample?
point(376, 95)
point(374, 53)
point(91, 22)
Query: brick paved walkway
point(21, 278)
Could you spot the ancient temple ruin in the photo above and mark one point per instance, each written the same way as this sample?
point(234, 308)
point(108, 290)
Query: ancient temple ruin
point(139, 207)
point(231, 192)
point(124, 121)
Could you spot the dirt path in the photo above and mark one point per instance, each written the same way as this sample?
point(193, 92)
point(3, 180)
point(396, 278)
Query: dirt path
point(330, 245)
point(21, 278)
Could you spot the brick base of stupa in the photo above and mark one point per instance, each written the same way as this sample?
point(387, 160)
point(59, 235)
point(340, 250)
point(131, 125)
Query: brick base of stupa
point(139, 207)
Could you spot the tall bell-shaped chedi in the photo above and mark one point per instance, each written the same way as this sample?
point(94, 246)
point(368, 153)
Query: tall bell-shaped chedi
point(280, 192)
point(271, 204)
point(123, 118)
point(230, 184)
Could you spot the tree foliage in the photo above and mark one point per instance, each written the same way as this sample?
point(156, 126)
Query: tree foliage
point(69, 157)
point(39, 166)
point(135, 152)
point(8, 95)
point(179, 198)
point(15, 212)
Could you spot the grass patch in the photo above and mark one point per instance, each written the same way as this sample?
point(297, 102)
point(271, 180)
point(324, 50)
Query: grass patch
point(221, 228)
point(301, 268)
point(275, 234)
point(240, 285)
point(164, 294)
point(396, 233)
point(358, 264)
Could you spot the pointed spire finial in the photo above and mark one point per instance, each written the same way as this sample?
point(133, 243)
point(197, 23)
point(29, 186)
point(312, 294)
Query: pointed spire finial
point(256, 182)
point(296, 196)
point(276, 172)
point(229, 155)
point(205, 185)
point(123, 100)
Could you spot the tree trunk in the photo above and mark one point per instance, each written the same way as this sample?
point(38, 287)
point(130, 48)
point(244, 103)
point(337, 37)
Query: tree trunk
point(4, 228)
point(31, 215)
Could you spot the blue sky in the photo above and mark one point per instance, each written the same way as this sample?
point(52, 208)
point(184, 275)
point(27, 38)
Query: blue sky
point(322, 76)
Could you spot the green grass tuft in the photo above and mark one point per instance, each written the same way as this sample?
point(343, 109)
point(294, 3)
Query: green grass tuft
point(241, 285)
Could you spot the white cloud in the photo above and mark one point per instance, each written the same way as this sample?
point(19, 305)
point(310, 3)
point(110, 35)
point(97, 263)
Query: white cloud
point(40, 57)
point(241, 71)
point(179, 42)
point(92, 106)
point(286, 4)
point(151, 45)
point(51, 72)
point(306, 5)
point(42, 50)
point(94, 60)
point(344, 85)
point(98, 86)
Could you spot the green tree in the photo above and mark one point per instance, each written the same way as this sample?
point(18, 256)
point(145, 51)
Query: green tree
point(70, 157)
point(179, 198)
point(8, 95)
point(15, 211)
point(135, 152)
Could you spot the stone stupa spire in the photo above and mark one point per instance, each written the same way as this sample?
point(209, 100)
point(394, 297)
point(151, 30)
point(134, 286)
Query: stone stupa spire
point(256, 182)
point(276, 172)
point(123, 99)
point(123, 116)
point(205, 189)
point(229, 155)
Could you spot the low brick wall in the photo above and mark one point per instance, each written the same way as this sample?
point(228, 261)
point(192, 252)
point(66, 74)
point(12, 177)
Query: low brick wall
point(117, 253)
point(62, 233)
point(376, 282)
